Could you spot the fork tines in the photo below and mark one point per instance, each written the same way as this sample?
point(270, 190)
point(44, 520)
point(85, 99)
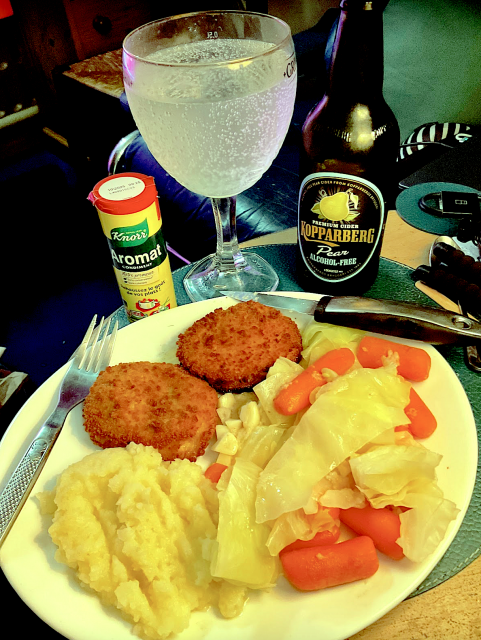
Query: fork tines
point(95, 350)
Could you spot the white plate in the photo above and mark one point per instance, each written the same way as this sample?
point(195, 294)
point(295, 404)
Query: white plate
point(49, 588)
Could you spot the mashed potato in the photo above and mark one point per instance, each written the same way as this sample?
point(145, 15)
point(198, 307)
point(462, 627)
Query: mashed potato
point(141, 532)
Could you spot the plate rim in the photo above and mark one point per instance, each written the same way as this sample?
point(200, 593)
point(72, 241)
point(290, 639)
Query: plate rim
point(54, 380)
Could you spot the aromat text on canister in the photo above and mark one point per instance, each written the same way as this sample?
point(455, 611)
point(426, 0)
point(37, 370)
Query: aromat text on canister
point(129, 213)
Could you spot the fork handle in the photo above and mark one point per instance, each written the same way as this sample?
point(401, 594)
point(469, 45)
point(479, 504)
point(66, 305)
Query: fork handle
point(21, 482)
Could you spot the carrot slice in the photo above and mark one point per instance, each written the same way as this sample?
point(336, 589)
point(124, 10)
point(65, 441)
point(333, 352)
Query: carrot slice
point(295, 396)
point(215, 471)
point(414, 363)
point(423, 423)
point(381, 525)
point(331, 565)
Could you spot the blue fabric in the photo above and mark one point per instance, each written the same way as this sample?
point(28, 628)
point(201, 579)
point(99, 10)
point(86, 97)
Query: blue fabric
point(187, 218)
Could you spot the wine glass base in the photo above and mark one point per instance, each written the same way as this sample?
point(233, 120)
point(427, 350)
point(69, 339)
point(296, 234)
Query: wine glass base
point(205, 280)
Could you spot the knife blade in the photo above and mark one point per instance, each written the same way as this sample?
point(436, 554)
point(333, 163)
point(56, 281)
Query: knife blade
point(388, 317)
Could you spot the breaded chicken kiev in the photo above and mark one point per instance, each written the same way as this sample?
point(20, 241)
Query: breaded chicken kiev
point(232, 349)
point(151, 403)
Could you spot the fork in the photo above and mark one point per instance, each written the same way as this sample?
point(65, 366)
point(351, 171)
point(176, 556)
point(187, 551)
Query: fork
point(91, 357)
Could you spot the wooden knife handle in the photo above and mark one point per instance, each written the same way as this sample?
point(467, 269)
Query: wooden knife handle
point(394, 318)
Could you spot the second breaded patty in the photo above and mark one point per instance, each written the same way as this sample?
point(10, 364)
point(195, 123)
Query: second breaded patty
point(232, 349)
point(151, 403)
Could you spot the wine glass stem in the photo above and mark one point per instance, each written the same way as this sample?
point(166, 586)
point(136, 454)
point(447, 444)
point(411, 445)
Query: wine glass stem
point(228, 255)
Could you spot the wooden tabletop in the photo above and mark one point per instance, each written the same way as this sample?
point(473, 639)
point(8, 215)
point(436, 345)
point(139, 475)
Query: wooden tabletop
point(102, 72)
point(452, 610)
point(401, 242)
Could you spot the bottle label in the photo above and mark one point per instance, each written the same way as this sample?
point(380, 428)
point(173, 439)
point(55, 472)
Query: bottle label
point(341, 218)
point(140, 261)
point(133, 249)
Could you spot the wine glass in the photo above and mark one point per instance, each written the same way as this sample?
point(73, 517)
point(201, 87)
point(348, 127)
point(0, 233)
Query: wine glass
point(212, 94)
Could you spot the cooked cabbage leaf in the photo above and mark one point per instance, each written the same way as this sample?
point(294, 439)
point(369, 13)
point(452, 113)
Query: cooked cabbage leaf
point(262, 443)
point(350, 412)
point(385, 473)
point(298, 525)
point(424, 527)
point(343, 498)
point(336, 489)
point(405, 475)
point(241, 555)
point(279, 375)
point(319, 337)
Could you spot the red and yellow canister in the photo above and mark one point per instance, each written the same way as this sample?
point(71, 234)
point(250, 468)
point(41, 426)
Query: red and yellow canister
point(129, 213)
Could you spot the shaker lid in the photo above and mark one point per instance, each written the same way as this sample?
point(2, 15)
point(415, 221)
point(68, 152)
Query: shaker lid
point(124, 193)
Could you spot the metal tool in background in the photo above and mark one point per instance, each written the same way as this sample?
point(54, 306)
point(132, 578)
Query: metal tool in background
point(83, 371)
point(465, 207)
point(445, 248)
point(452, 273)
point(388, 317)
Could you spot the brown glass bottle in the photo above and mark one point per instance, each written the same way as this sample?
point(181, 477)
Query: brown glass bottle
point(347, 163)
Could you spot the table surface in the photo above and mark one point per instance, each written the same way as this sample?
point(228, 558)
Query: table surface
point(452, 609)
point(102, 72)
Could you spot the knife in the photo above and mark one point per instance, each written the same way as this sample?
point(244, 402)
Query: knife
point(388, 317)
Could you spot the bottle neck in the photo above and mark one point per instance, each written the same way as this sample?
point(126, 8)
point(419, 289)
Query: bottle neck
point(356, 66)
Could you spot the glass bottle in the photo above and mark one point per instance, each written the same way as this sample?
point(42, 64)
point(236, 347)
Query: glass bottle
point(347, 164)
